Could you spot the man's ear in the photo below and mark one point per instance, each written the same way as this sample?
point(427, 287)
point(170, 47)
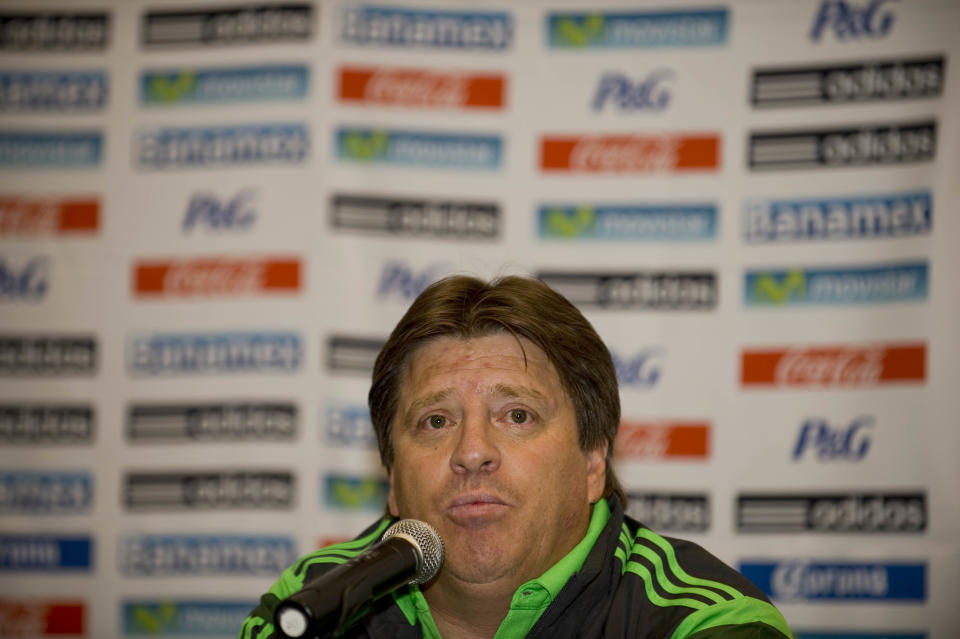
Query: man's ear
point(596, 472)
point(392, 498)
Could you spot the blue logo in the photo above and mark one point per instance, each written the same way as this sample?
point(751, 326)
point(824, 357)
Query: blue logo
point(392, 27)
point(791, 581)
point(180, 618)
point(214, 353)
point(350, 492)
point(850, 20)
point(641, 370)
point(27, 283)
point(826, 443)
point(45, 493)
point(350, 425)
point(646, 94)
point(166, 555)
point(220, 86)
point(434, 150)
point(637, 29)
point(399, 278)
point(233, 214)
point(46, 150)
point(865, 217)
point(222, 146)
point(628, 223)
point(52, 91)
point(45, 553)
point(863, 285)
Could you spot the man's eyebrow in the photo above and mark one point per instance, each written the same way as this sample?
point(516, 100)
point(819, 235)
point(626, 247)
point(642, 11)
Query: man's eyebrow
point(422, 402)
point(509, 390)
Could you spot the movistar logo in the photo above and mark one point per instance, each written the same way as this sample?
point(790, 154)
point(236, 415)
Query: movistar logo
point(365, 146)
point(578, 32)
point(356, 492)
point(570, 222)
point(173, 87)
point(657, 28)
point(153, 619)
point(779, 289)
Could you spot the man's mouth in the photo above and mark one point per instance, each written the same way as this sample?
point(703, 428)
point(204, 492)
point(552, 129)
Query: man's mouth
point(475, 507)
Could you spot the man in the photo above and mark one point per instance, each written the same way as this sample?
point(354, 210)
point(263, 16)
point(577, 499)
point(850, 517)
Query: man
point(496, 408)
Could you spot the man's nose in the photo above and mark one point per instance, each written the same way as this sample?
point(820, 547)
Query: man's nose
point(476, 448)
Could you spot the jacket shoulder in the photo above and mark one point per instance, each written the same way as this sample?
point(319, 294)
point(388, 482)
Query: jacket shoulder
point(259, 623)
point(674, 588)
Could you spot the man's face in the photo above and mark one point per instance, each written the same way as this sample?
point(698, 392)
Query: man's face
point(486, 450)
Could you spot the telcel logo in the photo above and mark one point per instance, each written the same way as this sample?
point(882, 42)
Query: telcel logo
point(206, 209)
point(646, 94)
point(849, 443)
point(851, 20)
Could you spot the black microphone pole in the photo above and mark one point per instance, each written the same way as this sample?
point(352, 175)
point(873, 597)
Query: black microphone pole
point(410, 552)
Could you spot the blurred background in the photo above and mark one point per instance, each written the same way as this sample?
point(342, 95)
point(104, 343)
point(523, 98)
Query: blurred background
point(213, 213)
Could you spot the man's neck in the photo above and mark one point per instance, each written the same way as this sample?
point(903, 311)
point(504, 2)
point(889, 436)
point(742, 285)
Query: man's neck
point(469, 611)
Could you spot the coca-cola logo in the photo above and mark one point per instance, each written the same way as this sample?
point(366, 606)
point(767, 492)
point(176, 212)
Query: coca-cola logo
point(217, 276)
point(643, 442)
point(843, 367)
point(625, 154)
point(417, 89)
point(28, 217)
point(663, 440)
point(198, 278)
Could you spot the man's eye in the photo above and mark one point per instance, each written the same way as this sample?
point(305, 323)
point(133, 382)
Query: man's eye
point(436, 421)
point(519, 416)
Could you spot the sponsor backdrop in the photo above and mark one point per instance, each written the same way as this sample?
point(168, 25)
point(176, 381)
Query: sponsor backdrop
point(212, 214)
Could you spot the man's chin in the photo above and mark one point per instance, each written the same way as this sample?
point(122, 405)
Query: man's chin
point(478, 558)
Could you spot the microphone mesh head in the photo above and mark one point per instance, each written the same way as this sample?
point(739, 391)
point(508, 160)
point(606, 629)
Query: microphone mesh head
point(427, 542)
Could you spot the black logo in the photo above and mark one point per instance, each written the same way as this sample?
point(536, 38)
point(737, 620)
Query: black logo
point(652, 290)
point(50, 31)
point(853, 146)
point(446, 219)
point(870, 81)
point(225, 26)
point(833, 513)
point(212, 422)
point(209, 490)
point(46, 424)
point(670, 512)
point(353, 354)
point(40, 355)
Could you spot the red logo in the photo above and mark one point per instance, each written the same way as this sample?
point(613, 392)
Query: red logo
point(48, 216)
point(662, 440)
point(630, 153)
point(422, 88)
point(38, 618)
point(830, 366)
point(216, 276)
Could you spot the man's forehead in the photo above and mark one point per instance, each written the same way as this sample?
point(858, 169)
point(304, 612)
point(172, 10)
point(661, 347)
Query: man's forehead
point(486, 351)
point(515, 357)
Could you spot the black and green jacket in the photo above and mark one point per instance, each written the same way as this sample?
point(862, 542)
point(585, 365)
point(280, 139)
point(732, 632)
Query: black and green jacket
point(623, 581)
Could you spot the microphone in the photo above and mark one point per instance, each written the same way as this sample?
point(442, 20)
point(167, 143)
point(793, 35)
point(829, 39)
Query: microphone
point(409, 552)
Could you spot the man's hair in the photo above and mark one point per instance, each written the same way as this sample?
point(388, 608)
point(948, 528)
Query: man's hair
point(466, 307)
